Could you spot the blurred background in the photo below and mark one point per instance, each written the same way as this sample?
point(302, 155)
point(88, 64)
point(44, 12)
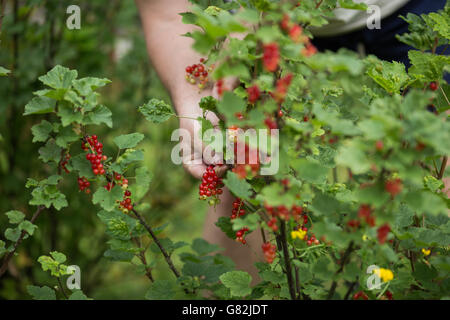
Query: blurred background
point(110, 44)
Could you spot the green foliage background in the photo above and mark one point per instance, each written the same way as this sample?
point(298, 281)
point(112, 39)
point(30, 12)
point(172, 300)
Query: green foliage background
point(33, 39)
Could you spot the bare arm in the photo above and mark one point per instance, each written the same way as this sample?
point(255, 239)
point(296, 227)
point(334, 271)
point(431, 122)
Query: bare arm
point(170, 53)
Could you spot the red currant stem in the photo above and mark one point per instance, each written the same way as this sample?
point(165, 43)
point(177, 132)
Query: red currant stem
point(345, 259)
point(384, 290)
point(304, 250)
point(350, 290)
point(443, 166)
point(443, 93)
point(17, 243)
point(318, 4)
point(297, 276)
point(158, 243)
point(284, 245)
point(263, 234)
point(62, 288)
point(141, 256)
point(435, 168)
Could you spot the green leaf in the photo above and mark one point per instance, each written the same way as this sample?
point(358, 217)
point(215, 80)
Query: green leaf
point(69, 114)
point(50, 152)
point(39, 105)
point(28, 227)
point(107, 199)
point(352, 156)
point(41, 293)
point(238, 282)
point(100, 114)
point(250, 221)
point(156, 111)
point(78, 295)
point(128, 140)
point(230, 105)
point(240, 188)
point(15, 217)
point(310, 171)
point(224, 223)
point(86, 85)
point(161, 290)
point(143, 179)
point(65, 136)
point(58, 256)
point(59, 77)
point(202, 247)
point(391, 76)
point(427, 66)
point(350, 4)
point(4, 71)
point(426, 201)
point(41, 131)
point(12, 234)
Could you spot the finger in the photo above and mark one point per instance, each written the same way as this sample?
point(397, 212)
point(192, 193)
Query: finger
point(228, 84)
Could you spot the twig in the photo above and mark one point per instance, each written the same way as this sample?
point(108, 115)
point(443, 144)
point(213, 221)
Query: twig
point(284, 245)
point(341, 268)
point(22, 235)
point(350, 289)
point(62, 288)
point(443, 166)
point(158, 243)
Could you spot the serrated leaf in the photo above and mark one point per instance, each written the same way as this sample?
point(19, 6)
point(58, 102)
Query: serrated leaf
point(100, 114)
point(78, 295)
point(41, 131)
point(128, 140)
point(4, 71)
point(15, 216)
point(12, 234)
point(41, 293)
point(107, 199)
point(50, 152)
point(202, 247)
point(28, 227)
point(230, 105)
point(161, 290)
point(240, 188)
point(156, 111)
point(238, 282)
point(59, 77)
point(39, 105)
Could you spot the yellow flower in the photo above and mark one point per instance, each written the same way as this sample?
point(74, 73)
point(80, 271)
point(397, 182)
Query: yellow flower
point(426, 252)
point(365, 237)
point(298, 234)
point(384, 274)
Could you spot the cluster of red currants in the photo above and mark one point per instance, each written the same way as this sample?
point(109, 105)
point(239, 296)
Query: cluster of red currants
point(253, 94)
point(125, 205)
point(65, 162)
point(198, 74)
point(270, 251)
point(96, 157)
point(83, 185)
point(360, 294)
point(393, 187)
point(310, 240)
point(211, 186)
point(238, 211)
point(271, 56)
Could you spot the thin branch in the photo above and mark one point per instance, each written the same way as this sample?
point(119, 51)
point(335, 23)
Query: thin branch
point(443, 166)
point(62, 288)
point(284, 245)
point(22, 235)
point(158, 243)
point(344, 261)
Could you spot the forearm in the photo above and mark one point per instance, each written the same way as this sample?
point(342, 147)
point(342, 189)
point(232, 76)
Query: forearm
point(170, 52)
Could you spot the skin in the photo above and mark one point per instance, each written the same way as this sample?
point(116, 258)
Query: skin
point(163, 28)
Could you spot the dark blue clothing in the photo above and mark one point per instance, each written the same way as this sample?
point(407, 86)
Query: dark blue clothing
point(382, 42)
